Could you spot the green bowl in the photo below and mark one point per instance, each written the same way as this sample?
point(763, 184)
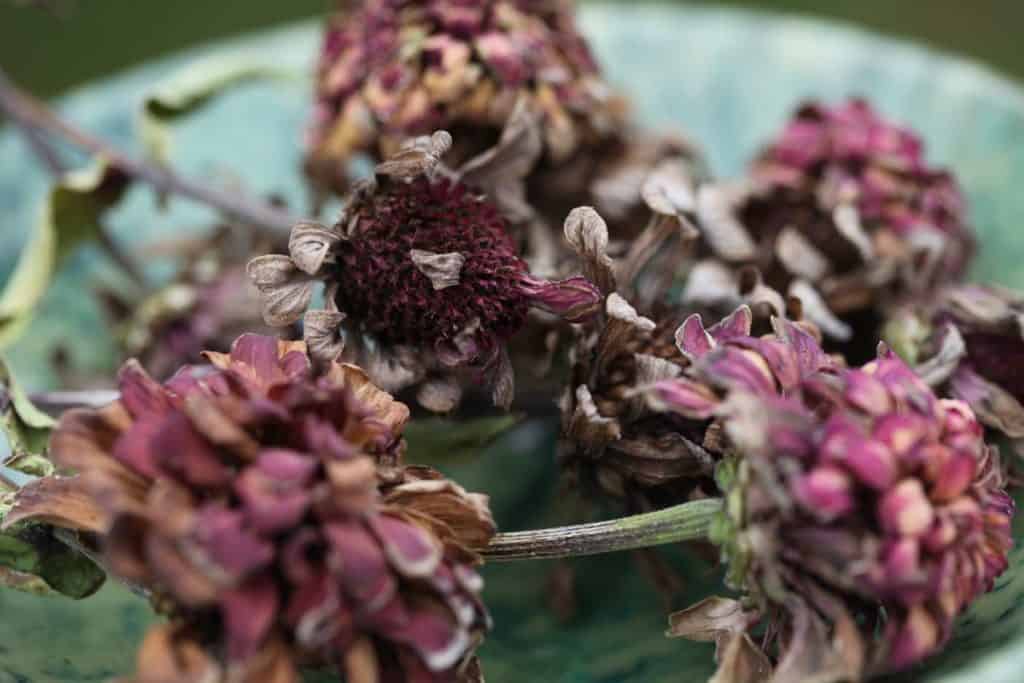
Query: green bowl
point(728, 78)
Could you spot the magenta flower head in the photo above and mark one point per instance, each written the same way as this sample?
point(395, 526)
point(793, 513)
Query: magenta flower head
point(422, 270)
point(266, 510)
point(863, 515)
point(842, 210)
point(969, 345)
point(394, 69)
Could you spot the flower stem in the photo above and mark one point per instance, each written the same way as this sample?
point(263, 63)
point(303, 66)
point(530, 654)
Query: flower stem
point(685, 522)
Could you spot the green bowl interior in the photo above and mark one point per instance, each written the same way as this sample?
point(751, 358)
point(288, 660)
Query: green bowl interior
point(729, 79)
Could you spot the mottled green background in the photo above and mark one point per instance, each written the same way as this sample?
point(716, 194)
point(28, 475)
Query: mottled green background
point(100, 36)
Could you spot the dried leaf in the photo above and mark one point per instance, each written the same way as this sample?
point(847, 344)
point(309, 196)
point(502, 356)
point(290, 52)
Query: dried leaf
point(31, 550)
point(70, 216)
point(196, 85)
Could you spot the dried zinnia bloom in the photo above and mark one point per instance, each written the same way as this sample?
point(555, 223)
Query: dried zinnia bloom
point(969, 345)
point(424, 273)
point(394, 69)
point(611, 436)
point(843, 212)
point(246, 496)
point(863, 514)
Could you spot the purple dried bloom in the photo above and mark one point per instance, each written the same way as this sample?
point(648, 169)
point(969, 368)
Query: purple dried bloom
point(843, 212)
point(423, 266)
point(856, 514)
point(264, 505)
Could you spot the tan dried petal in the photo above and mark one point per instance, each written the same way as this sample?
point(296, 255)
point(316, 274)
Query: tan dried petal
point(623, 322)
point(169, 655)
point(58, 501)
point(717, 217)
point(419, 156)
point(223, 431)
point(426, 491)
point(383, 405)
point(587, 234)
point(442, 270)
point(501, 171)
point(709, 620)
point(711, 281)
point(741, 661)
point(439, 395)
point(323, 335)
point(847, 221)
point(309, 244)
point(817, 311)
point(670, 190)
point(284, 289)
point(799, 256)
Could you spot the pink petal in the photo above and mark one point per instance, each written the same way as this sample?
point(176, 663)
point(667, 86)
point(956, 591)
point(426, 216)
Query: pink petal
point(575, 299)
point(248, 612)
point(826, 492)
point(692, 340)
point(141, 395)
point(409, 548)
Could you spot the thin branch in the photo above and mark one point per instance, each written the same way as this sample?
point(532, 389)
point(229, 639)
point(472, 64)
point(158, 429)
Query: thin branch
point(31, 113)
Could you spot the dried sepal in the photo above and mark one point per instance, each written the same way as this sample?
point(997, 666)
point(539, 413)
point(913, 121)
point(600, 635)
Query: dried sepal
point(286, 291)
point(587, 234)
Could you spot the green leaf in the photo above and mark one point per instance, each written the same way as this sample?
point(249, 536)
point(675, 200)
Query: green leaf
point(198, 83)
point(31, 550)
point(71, 215)
point(27, 428)
point(439, 440)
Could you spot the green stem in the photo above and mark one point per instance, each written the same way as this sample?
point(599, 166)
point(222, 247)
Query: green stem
point(685, 522)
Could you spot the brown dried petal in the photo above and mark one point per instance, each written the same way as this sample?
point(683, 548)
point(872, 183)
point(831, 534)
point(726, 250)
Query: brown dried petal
point(394, 414)
point(285, 290)
point(441, 269)
point(710, 620)
point(58, 501)
point(741, 661)
point(993, 405)
point(587, 233)
point(170, 655)
point(504, 380)
point(309, 244)
point(952, 350)
point(587, 425)
point(623, 321)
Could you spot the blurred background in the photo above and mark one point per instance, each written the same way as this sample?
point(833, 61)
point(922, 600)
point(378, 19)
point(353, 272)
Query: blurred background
point(49, 46)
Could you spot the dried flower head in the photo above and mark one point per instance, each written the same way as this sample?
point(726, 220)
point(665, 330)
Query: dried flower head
point(246, 496)
point(843, 212)
point(208, 304)
point(394, 69)
point(969, 344)
point(863, 515)
point(647, 345)
point(423, 267)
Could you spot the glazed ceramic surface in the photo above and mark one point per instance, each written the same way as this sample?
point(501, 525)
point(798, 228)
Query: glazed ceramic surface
point(729, 79)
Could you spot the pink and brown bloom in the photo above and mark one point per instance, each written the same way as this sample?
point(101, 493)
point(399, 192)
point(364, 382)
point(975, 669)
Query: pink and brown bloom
point(423, 275)
point(863, 514)
point(969, 345)
point(266, 510)
point(843, 211)
point(394, 69)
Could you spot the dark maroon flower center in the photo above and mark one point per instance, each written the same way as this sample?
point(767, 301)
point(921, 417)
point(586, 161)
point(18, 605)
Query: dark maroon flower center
point(380, 286)
point(999, 358)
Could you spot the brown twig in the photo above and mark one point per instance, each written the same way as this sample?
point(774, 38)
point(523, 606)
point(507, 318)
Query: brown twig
point(31, 114)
